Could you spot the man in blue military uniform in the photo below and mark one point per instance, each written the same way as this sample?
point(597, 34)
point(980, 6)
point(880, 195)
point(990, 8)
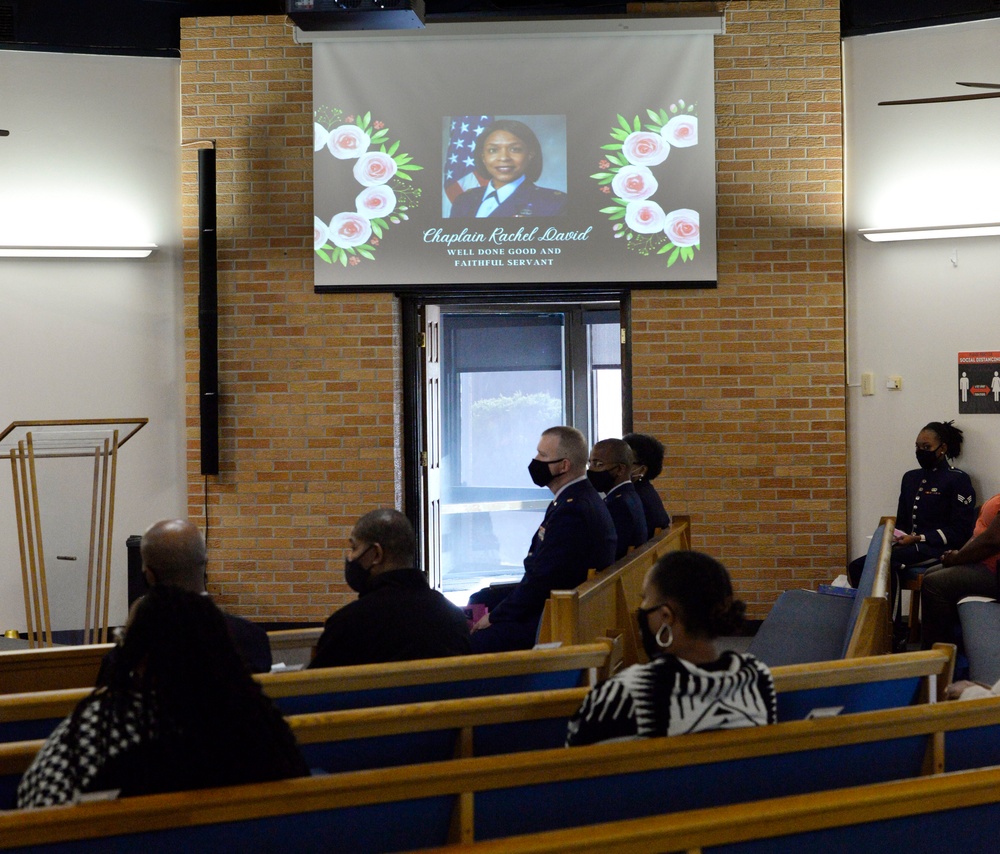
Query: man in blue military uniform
point(610, 470)
point(576, 534)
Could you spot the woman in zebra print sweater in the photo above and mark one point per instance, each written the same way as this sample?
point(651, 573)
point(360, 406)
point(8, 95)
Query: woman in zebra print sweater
point(687, 686)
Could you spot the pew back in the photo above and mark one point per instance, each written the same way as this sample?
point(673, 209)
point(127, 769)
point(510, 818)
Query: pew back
point(50, 668)
point(60, 667)
point(385, 736)
point(332, 688)
point(807, 626)
point(956, 811)
point(503, 796)
point(604, 606)
point(34, 715)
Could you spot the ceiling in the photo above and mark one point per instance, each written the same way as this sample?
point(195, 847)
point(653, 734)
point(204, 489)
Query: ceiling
point(150, 27)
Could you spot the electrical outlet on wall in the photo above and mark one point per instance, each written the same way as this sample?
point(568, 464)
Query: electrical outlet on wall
point(867, 383)
point(895, 383)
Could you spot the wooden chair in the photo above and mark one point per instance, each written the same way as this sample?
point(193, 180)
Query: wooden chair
point(912, 578)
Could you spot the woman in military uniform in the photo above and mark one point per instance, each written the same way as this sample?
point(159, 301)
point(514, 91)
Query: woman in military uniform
point(937, 504)
point(509, 153)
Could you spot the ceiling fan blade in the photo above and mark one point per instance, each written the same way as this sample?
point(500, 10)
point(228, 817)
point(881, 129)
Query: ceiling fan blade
point(979, 96)
point(981, 85)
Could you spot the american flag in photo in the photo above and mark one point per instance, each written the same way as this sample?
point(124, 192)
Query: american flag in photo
point(459, 168)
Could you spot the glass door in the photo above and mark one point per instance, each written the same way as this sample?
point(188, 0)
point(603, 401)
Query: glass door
point(505, 376)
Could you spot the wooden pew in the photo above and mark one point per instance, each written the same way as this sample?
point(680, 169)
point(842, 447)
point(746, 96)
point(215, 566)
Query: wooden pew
point(300, 641)
point(578, 616)
point(604, 605)
point(957, 811)
point(29, 716)
point(502, 796)
point(857, 685)
point(384, 736)
point(808, 626)
point(50, 668)
point(57, 667)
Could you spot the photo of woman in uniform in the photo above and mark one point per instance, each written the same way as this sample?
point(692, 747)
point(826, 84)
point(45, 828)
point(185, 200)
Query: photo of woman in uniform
point(509, 155)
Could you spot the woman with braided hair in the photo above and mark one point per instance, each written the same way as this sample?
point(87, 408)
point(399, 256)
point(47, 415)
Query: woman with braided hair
point(178, 711)
point(937, 503)
point(687, 686)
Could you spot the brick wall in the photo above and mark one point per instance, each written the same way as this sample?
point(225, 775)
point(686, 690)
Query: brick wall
point(745, 383)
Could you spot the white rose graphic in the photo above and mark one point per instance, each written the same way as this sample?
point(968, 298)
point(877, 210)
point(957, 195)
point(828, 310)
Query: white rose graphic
point(645, 149)
point(374, 168)
point(321, 136)
point(376, 201)
point(681, 131)
point(645, 217)
point(634, 183)
point(349, 229)
point(347, 142)
point(683, 227)
point(321, 233)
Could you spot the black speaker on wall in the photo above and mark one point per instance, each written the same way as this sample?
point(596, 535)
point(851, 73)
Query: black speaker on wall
point(208, 313)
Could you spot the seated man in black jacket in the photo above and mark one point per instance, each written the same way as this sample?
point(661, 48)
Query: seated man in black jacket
point(396, 617)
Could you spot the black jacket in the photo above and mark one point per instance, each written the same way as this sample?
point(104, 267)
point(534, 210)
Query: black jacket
point(397, 618)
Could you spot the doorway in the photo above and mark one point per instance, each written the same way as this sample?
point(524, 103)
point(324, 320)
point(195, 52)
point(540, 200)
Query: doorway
point(492, 378)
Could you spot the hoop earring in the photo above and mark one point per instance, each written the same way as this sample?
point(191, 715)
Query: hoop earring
point(670, 636)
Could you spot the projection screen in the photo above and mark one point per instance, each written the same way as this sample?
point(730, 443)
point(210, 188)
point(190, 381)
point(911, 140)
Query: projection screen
point(598, 149)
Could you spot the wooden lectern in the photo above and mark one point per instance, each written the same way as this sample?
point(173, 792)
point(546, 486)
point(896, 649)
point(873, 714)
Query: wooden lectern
point(27, 441)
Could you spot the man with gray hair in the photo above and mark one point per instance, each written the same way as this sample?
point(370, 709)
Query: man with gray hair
point(576, 535)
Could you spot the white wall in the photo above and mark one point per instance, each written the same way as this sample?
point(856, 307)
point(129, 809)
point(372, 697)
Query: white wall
point(912, 306)
point(93, 156)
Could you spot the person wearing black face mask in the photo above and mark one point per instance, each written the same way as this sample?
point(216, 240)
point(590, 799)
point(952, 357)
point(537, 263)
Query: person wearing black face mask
point(937, 503)
point(575, 535)
point(648, 452)
point(687, 686)
point(610, 471)
point(396, 617)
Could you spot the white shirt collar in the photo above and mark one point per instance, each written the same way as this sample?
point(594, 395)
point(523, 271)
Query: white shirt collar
point(563, 487)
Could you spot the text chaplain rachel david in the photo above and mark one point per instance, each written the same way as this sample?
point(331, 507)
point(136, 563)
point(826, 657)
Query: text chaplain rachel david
point(509, 155)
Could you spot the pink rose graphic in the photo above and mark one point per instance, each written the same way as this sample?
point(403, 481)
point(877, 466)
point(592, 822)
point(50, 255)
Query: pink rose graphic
point(376, 201)
point(645, 149)
point(349, 229)
point(683, 227)
point(634, 183)
point(645, 217)
point(347, 142)
point(374, 168)
point(681, 131)
point(321, 233)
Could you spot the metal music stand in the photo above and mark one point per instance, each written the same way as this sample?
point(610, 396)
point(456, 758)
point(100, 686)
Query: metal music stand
point(24, 442)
